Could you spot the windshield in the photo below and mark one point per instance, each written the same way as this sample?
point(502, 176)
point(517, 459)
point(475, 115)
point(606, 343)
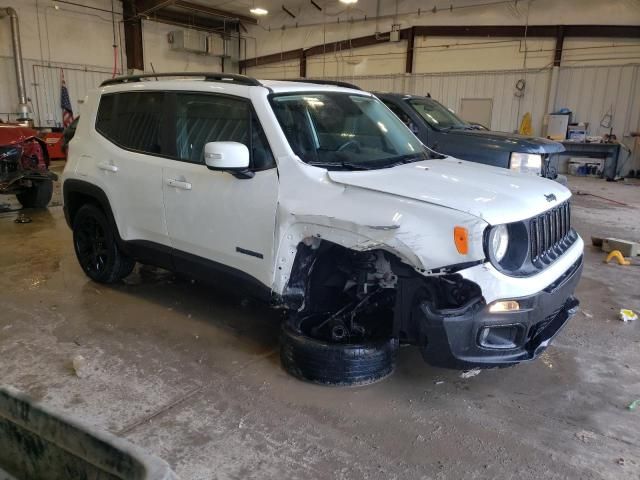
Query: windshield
point(437, 115)
point(344, 131)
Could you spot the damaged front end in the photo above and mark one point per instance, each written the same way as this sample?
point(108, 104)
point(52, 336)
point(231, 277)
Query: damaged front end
point(344, 296)
point(339, 295)
point(22, 163)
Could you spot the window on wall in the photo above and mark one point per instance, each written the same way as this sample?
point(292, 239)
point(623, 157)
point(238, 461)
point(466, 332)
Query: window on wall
point(203, 118)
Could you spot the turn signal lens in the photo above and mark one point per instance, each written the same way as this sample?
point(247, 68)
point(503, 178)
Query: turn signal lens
point(461, 239)
point(504, 306)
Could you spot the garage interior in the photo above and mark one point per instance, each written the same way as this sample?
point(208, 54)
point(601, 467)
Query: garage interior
point(192, 374)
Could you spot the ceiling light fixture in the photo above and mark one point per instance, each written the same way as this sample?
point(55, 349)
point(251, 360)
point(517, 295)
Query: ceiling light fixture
point(259, 11)
point(348, 2)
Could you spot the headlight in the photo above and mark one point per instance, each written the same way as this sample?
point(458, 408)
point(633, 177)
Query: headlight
point(526, 163)
point(498, 242)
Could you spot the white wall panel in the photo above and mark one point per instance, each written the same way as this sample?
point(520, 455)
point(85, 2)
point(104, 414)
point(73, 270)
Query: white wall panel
point(592, 92)
point(280, 70)
point(43, 88)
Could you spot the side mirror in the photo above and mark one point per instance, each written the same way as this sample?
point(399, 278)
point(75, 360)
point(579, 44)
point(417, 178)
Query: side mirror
point(232, 157)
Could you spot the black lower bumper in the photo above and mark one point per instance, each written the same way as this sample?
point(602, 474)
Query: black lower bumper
point(9, 183)
point(472, 336)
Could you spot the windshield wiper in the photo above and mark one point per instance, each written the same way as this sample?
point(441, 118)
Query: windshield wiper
point(407, 159)
point(345, 165)
point(455, 127)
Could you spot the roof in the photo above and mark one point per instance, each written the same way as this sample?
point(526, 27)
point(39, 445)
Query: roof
point(399, 96)
point(281, 86)
point(227, 82)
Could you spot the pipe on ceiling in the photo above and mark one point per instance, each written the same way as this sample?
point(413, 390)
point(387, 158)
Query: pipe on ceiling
point(23, 108)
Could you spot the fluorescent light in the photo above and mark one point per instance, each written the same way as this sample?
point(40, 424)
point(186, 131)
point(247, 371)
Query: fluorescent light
point(348, 2)
point(259, 11)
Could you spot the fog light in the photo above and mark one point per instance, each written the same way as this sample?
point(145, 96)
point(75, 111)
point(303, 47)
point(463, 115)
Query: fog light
point(504, 336)
point(504, 306)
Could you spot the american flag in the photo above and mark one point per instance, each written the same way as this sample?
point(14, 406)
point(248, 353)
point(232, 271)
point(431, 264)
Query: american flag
point(65, 103)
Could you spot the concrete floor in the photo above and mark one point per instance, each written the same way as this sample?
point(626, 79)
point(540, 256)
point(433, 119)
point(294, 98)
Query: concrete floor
point(194, 376)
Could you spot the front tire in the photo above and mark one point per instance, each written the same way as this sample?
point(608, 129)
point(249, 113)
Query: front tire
point(96, 249)
point(38, 195)
point(328, 363)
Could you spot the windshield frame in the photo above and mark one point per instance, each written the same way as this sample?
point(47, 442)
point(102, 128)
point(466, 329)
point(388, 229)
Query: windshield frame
point(421, 154)
point(461, 125)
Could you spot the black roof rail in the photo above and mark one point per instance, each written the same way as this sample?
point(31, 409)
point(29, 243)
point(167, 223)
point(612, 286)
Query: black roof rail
point(336, 83)
point(207, 76)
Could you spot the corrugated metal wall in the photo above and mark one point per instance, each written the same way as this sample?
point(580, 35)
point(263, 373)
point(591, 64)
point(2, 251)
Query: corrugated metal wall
point(593, 93)
point(43, 88)
point(590, 92)
point(451, 88)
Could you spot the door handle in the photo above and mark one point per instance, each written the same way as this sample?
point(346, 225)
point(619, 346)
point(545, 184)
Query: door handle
point(109, 167)
point(172, 182)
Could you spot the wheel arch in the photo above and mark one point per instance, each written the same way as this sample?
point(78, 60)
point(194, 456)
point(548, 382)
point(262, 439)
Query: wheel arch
point(76, 193)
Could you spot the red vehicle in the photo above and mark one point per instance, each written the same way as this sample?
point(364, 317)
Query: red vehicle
point(24, 166)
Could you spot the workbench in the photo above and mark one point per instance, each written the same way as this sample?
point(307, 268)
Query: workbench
point(607, 151)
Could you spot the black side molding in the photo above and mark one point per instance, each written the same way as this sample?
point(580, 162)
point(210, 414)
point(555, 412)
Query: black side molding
point(251, 253)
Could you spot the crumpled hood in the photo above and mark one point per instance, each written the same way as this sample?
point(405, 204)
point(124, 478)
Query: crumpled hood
point(494, 194)
point(511, 142)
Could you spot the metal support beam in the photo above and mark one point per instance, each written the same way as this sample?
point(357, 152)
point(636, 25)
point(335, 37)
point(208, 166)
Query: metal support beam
point(147, 7)
point(273, 58)
point(411, 38)
point(358, 42)
point(215, 12)
point(557, 56)
point(132, 36)
point(303, 65)
point(173, 17)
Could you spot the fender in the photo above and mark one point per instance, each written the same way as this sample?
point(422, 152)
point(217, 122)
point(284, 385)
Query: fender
point(79, 188)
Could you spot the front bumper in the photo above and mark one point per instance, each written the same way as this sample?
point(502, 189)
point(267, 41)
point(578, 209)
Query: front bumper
point(10, 181)
point(471, 336)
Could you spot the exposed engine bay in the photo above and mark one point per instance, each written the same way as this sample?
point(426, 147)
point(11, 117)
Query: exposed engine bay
point(345, 296)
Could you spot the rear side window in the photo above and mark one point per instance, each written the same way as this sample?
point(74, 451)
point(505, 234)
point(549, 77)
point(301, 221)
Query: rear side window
point(132, 120)
point(105, 116)
point(202, 118)
point(137, 121)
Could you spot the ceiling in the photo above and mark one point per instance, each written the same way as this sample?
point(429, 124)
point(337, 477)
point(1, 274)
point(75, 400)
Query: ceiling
point(304, 12)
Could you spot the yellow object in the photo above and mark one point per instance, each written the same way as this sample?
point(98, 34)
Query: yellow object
point(504, 306)
point(525, 125)
point(618, 256)
point(627, 315)
point(461, 239)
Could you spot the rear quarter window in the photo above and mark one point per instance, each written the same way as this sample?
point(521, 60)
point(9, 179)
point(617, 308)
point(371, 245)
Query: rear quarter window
point(134, 121)
point(105, 116)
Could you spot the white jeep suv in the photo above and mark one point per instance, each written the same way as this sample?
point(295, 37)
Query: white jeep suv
point(317, 199)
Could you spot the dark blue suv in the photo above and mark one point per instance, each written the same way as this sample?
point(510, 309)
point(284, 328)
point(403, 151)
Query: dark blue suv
point(441, 130)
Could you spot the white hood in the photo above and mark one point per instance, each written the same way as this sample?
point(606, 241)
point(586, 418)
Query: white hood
point(494, 194)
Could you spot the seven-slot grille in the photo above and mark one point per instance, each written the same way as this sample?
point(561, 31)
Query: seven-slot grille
point(549, 232)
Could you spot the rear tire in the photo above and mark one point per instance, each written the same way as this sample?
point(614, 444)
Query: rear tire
point(337, 364)
point(38, 195)
point(96, 249)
